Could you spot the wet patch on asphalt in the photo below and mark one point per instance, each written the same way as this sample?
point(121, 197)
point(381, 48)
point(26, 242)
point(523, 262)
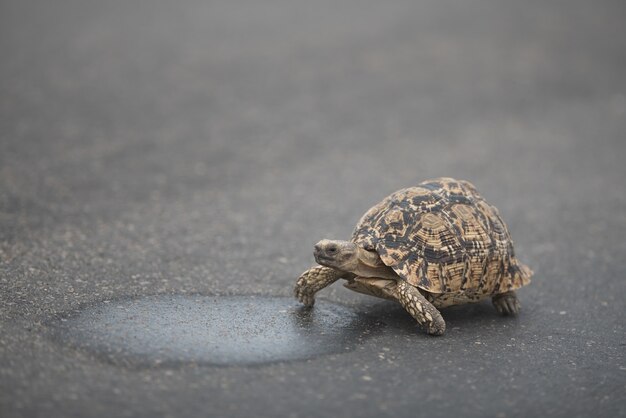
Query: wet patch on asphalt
point(215, 330)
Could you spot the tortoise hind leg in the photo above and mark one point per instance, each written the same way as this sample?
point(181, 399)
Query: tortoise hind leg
point(422, 310)
point(506, 303)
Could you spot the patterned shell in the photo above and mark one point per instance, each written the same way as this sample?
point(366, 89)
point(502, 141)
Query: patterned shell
point(443, 237)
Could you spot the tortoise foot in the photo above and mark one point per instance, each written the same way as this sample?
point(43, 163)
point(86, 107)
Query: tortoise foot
point(420, 309)
point(312, 281)
point(506, 303)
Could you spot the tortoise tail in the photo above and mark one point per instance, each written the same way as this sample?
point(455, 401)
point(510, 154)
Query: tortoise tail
point(520, 274)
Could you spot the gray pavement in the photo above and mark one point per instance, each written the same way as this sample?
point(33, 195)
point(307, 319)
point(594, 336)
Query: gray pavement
point(201, 148)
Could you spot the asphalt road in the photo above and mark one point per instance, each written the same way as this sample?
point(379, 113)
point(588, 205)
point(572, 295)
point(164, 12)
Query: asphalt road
point(195, 149)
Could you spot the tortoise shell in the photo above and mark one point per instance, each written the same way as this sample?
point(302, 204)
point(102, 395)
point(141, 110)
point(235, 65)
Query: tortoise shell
point(443, 237)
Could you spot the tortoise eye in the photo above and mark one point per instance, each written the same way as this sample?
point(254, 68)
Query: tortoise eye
point(332, 249)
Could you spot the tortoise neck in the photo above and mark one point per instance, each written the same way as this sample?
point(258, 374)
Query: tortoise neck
point(370, 265)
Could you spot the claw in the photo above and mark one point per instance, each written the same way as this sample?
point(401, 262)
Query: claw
point(436, 328)
point(507, 304)
point(300, 292)
point(512, 305)
point(312, 281)
point(499, 308)
point(307, 300)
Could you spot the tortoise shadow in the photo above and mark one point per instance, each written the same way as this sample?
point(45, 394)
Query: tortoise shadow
point(468, 316)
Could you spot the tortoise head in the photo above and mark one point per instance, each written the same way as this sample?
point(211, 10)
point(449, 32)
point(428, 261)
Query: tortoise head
point(341, 255)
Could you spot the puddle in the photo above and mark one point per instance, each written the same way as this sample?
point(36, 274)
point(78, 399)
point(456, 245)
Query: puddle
point(224, 330)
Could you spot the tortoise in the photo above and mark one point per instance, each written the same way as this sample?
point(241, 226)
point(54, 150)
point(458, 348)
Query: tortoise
point(427, 247)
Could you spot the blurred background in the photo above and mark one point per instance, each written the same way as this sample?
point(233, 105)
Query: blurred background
point(204, 146)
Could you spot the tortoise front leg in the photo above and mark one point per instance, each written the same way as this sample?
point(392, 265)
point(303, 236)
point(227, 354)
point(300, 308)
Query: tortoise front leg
point(422, 310)
point(313, 280)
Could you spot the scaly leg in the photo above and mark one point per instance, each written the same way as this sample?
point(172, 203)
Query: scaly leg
point(506, 303)
point(313, 280)
point(422, 310)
